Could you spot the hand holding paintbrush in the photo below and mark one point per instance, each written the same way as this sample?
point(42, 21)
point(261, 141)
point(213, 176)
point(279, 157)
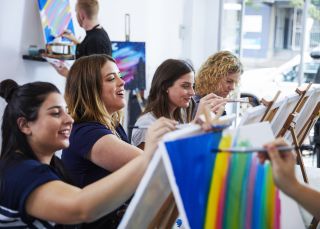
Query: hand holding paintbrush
point(283, 173)
point(210, 121)
point(212, 102)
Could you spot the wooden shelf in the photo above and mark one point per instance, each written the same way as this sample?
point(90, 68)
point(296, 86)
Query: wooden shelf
point(41, 59)
point(34, 58)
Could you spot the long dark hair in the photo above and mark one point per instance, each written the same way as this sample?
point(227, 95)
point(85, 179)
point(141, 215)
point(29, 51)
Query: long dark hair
point(22, 101)
point(164, 77)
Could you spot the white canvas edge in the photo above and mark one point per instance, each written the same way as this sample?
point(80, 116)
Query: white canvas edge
point(174, 186)
point(140, 190)
point(252, 112)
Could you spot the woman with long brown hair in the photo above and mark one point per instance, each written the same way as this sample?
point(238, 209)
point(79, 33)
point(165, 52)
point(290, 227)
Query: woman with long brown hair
point(171, 96)
point(99, 146)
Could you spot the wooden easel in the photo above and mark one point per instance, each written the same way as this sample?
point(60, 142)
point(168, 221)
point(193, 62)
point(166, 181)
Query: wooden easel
point(289, 125)
point(269, 113)
point(264, 112)
point(309, 123)
point(299, 138)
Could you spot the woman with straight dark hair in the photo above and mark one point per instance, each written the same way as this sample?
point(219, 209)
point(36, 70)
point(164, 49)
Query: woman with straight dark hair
point(171, 96)
point(35, 125)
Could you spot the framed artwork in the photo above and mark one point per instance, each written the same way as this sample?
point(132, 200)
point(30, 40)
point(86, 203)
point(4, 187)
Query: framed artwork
point(131, 60)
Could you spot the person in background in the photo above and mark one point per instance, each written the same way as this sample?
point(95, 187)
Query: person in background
point(283, 170)
point(96, 40)
point(99, 146)
point(219, 75)
point(35, 125)
point(170, 96)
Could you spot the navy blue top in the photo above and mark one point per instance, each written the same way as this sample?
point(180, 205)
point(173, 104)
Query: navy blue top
point(82, 171)
point(75, 158)
point(18, 180)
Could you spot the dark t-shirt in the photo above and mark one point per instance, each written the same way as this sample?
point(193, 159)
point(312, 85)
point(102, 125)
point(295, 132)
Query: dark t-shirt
point(18, 180)
point(82, 171)
point(96, 42)
point(75, 158)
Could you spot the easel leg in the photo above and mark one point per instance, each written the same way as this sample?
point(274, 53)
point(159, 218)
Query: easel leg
point(314, 223)
point(299, 155)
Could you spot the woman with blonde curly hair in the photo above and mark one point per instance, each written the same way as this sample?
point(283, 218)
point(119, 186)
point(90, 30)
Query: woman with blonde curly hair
point(218, 76)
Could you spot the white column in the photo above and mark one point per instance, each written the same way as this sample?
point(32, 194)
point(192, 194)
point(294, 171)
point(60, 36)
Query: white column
point(303, 40)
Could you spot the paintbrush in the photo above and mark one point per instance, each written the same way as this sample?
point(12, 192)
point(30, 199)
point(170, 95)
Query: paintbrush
point(178, 126)
point(240, 100)
point(243, 149)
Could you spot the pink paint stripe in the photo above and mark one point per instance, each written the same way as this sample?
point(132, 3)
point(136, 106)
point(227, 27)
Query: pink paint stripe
point(277, 210)
point(252, 176)
point(65, 19)
point(64, 24)
point(52, 11)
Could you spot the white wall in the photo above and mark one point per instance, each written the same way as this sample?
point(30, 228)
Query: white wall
point(201, 22)
point(157, 22)
point(19, 28)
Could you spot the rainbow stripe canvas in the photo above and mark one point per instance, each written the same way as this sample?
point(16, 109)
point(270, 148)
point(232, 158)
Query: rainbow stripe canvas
point(222, 190)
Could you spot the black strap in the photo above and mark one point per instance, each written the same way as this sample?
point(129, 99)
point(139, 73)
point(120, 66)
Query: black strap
point(96, 26)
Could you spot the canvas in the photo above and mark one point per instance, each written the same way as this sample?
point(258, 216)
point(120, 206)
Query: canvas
point(300, 120)
point(131, 60)
point(284, 111)
point(253, 115)
point(192, 169)
point(55, 18)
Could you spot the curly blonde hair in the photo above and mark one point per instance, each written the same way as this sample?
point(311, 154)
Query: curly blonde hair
point(216, 67)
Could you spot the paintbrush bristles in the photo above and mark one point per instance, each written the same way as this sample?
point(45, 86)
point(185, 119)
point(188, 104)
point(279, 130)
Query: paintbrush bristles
point(240, 149)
